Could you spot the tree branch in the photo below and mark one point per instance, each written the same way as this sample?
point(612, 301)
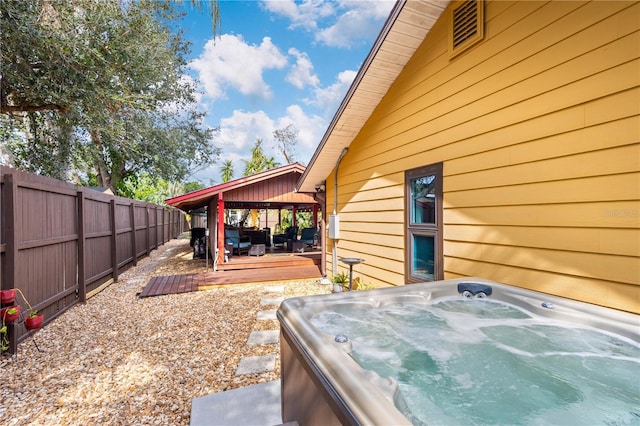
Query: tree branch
point(12, 109)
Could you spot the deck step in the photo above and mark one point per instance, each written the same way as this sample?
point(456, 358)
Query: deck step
point(253, 262)
point(172, 284)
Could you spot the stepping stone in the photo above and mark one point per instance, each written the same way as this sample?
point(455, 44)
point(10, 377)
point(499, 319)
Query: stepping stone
point(274, 289)
point(267, 315)
point(263, 337)
point(256, 364)
point(271, 301)
point(248, 406)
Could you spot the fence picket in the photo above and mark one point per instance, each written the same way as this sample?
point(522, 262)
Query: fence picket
point(59, 242)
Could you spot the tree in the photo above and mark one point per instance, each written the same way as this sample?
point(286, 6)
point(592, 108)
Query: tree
point(259, 161)
point(99, 84)
point(189, 187)
point(154, 190)
point(286, 140)
point(227, 171)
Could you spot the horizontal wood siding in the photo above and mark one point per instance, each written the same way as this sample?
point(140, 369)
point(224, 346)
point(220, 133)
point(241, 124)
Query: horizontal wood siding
point(538, 127)
point(275, 190)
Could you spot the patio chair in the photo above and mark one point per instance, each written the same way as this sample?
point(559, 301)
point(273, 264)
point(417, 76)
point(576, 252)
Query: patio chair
point(308, 235)
point(240, 244)
point(197, 241)
point(290, 234)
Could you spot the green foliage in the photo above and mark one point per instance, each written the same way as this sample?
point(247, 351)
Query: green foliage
point(259, 161)
point(358, 284)
point(341, 278)
point(227, 171)
point(190, 187)
point(145, 187)
point(97, 88)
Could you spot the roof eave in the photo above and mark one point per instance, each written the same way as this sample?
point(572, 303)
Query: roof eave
point(201, 197)
point(406, 17)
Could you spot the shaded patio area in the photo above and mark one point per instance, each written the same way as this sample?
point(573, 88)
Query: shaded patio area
point(266, 191)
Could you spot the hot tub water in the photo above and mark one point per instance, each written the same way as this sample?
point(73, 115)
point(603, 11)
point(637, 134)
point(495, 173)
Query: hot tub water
point(484, 361)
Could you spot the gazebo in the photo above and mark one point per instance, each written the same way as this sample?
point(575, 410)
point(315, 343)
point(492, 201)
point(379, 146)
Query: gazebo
point(269, 190)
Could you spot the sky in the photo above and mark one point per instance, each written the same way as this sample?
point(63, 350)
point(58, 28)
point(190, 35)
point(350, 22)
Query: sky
point(276, 63)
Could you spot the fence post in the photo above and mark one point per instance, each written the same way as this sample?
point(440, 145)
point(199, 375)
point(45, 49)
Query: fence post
point(132, 214)
point(146, 207)
point(82, 238)
point(155, 214)
point(114, 241)
point(164, 223)
point(11, 252)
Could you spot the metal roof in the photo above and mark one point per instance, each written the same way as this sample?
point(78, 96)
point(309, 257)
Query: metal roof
point(405, 29)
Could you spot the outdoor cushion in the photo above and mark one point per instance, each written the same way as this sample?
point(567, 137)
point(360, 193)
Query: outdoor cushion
point(290, 234)
point(307, 235)
point(232, 236)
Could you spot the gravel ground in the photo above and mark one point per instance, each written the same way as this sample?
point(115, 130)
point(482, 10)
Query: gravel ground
point(121, 360)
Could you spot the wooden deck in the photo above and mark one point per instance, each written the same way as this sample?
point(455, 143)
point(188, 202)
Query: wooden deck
point(240, 270)
point(275, 260)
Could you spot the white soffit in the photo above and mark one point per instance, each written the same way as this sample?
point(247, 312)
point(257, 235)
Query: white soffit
point(405, 29)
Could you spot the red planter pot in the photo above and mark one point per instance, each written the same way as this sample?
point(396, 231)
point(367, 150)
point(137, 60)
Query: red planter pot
point(34, 323)
point(10, 317)
point(7, 296)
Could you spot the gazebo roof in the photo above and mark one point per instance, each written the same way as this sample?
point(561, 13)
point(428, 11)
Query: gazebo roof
point(273, 188)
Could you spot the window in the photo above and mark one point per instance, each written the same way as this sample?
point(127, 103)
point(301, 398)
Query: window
point(424, 223)
point(467, 25)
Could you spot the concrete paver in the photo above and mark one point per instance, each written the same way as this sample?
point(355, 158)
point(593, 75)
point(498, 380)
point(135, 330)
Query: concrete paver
point(264, 337)
point(256, 364)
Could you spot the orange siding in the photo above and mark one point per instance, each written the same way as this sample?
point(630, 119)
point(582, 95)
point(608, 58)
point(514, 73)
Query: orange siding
point(538, 127)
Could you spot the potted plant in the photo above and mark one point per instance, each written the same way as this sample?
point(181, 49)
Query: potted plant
point(340, 282)
point(7, 296)
point(10, 313)
point(4, 340)
point(34, 320)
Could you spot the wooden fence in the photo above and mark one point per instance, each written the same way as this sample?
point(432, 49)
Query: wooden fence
point(60, 243)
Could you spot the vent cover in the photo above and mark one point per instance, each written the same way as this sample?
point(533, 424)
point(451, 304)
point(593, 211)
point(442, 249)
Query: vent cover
point(467, 26)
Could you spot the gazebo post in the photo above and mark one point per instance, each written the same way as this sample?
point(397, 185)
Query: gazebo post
point(220, 233)
point(315, 215)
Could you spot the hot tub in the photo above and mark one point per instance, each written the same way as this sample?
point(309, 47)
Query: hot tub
point(457, 352)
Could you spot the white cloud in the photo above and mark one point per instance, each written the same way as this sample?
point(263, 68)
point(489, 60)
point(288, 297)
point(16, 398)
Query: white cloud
point(239, 131)
point(358, 21)
point(229, 62)
point(328, 98)
point(305, 14)
point(301, 73)
point(338, 24)
point(310, 128)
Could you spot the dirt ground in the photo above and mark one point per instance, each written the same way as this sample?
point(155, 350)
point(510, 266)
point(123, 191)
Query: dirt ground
point(121, 360)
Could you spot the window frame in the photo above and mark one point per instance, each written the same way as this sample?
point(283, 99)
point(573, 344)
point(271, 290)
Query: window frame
point(434, 230)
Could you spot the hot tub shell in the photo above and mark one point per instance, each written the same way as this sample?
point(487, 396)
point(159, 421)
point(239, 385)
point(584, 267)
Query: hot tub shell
point(323, 385)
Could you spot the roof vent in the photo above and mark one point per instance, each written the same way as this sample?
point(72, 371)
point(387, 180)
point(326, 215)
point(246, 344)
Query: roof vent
point(467, 18)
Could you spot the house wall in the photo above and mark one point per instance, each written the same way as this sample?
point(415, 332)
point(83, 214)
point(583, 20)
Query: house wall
point(538, 128)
